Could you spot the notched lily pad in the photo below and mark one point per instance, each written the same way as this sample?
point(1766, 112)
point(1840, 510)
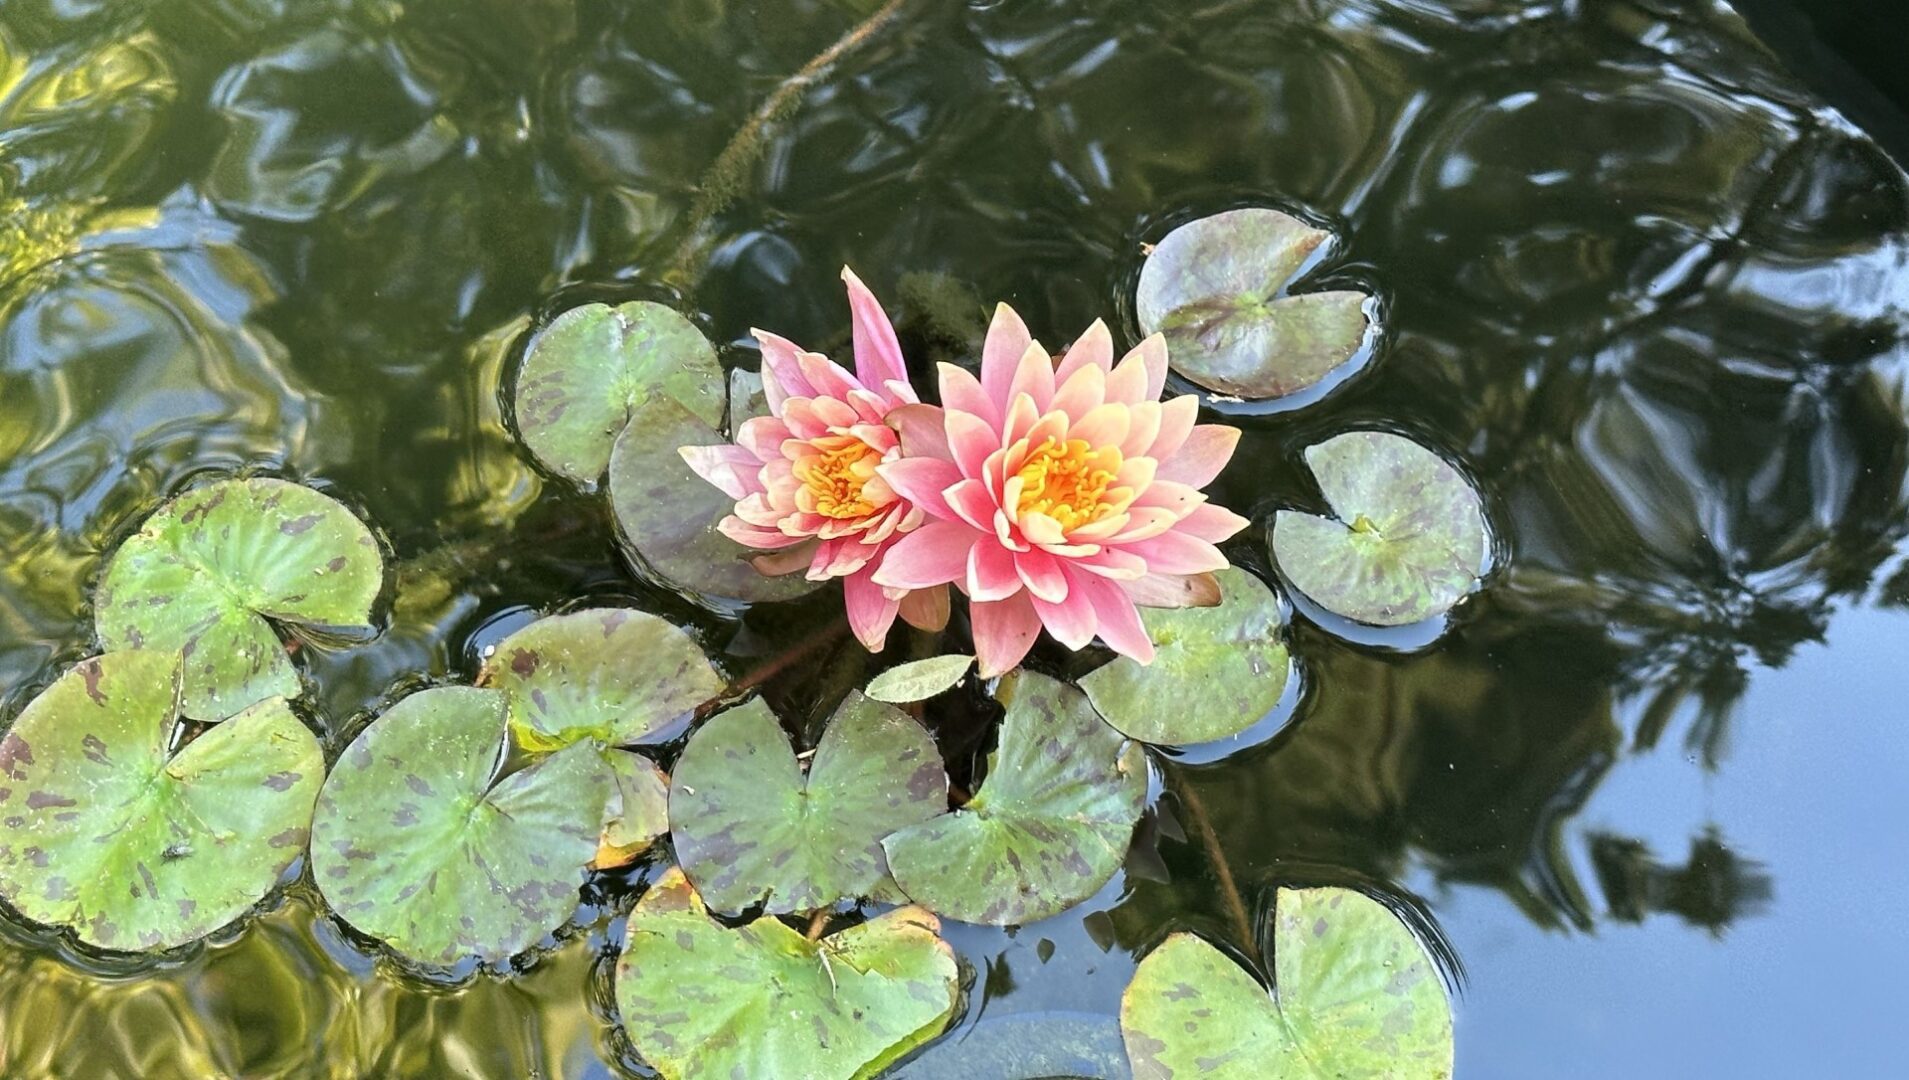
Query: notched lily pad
point(1050, 824)
point(699, 999)
point(1216, 288)
point(919, 680)
point(104, 831)
point(1216, 671)
point(419, 842)
point(749, 827)
point(616, 675)
point(586, 373)
point(638, 810)
point(1409, 539)
point(667, 514)
point(1356, 996)
point(207, 570)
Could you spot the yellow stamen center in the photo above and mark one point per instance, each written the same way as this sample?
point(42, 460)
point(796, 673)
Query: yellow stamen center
point(834, 473)
point(1068, 481)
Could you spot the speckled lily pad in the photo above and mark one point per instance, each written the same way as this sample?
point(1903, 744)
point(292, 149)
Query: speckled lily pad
point(420, 843)
point(919, 680)
point(1050, 824)
point(208, 569)
point(104, 831)
point(1216, 287)
point(585, 373)
point(667, 514)
point(638, 810)
point(1408, 541)
point(699, 999)
point(749, 827)
point(1356, 995)
point(616, 675)
point(1216, 671)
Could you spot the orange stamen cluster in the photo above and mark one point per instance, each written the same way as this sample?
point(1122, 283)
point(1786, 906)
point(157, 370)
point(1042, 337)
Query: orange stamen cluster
point(833, 475)
point(1068, 481)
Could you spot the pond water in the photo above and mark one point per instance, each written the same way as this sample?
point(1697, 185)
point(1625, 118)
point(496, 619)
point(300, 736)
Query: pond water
point(1645, 793)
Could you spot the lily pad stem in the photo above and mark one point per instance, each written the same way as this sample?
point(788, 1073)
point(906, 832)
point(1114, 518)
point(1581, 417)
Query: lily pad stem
point(1229, 889)
point(817, 922)
point(774, 666)
point(725, 178)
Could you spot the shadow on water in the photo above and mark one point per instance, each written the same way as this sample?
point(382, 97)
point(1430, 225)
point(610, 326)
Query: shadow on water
point(1636, 278)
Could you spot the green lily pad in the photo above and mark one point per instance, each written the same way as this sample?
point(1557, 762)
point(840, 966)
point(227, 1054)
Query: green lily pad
point(105, 830)
point(1050, 825)
point(1216, 288)
point(1409, 539)
point(208, 569)
point(747, 398)
point(750, 828)
point(700, 999)
point(667, 514)
point(1355, 995)
point(919, 680)
point(638, 810)
point(1216, 671)
point(616, 675)
point(419, 842)
point(585, 374)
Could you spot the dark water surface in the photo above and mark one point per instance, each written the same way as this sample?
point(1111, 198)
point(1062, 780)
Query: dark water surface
point(1648, 790)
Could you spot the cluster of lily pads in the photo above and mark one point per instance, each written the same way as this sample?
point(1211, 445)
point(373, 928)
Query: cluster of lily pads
point(159, 791)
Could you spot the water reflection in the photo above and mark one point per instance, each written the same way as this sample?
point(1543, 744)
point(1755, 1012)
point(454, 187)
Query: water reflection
point(1648, 290)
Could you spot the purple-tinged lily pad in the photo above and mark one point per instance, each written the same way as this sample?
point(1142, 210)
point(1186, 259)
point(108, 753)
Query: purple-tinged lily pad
point(420, 842)
point(586, 373)
point(106, 831)
point(1356, 996)
point(1216, 670)
point(1407, 540)
point(638, 810)
point(616, 675)
point(207, 570)
point(1216, 288)
point(751, 828)
point(1050, 824)
point(667, 514)
point(700, 999)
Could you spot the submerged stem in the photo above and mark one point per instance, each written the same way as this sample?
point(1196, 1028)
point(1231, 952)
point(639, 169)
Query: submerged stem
point(724, 180)
point(817, 922)
point(1229, 889)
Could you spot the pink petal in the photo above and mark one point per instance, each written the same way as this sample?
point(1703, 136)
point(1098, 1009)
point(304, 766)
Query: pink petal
point(1033, 376)
point(922, 481)
point(781, 374)
point(727, 467)
point(926, 609)
point(1112, 563)
point(1095, 348)
point(934, 554)
point(1022, 415)
point(960, 392)
point(1072, 623)
point(839, 557)
point(1001, 353)
point(755, 536)
point(877, 354)
point(1178, 553)
point(1104, 426)
point(1041, 529)
point(971, 502)
point(970, 440)
point(1120, 625)
point(1210, 523)
point(922, 430)
point(1042, 575)
point(1144, 522)
point(763, 436)
point(828, 377)
point(1143, 427)
point(1167, 495)
point(1004, 630)
point(1206, 451)
point(870, 611)
point(787, 561)
point(1174, 590)
point(1152, 356)
point(1128, 383)
point(1177, 417)
point(991, 573)
point(1083, 392)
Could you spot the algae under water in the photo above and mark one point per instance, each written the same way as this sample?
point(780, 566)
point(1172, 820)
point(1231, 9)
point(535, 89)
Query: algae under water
point(1649, 288)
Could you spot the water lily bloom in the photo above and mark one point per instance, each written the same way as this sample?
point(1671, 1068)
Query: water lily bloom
point(806, 478)
point(1060, 496)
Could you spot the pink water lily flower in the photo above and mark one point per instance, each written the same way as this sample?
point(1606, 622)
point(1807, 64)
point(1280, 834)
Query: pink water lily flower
point(806, 477)
point(1060, 497)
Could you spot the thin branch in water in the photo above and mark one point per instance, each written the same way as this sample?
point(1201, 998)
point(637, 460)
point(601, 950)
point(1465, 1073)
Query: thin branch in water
point(727, 175)
point(1229, 889)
